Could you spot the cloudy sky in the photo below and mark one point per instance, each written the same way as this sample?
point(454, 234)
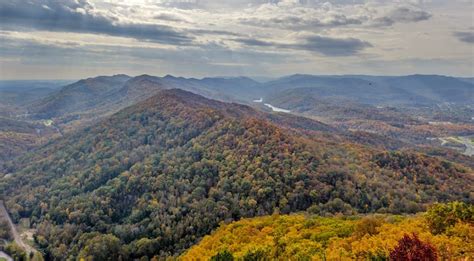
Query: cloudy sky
point(72, 39)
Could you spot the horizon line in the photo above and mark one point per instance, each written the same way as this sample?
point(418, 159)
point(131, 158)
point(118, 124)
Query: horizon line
point(254, 77)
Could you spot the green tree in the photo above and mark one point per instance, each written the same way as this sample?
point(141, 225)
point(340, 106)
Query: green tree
point(101, 247)
point(16, 252)
point(442, 216)
point(223, 256)
point(256, 255)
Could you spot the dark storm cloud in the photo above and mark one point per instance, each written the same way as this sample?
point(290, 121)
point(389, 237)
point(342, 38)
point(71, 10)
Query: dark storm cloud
point(79, 16)
point(467, 37)
point(327, 46)
point(402, 15)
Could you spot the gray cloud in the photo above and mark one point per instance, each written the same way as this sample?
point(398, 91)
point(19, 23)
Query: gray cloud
point(212, 32)
point(79, 16)
point(212, 59)
point(212, 4)
point(467, 37)
point(296, 22)
point(402, 15)
point(62, 52)
point(327, 46)
point(334, 46)
point(170, 17)
point(268, 35)
point(255, 42)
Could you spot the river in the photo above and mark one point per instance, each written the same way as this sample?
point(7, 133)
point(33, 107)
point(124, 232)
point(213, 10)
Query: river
point(274, 108)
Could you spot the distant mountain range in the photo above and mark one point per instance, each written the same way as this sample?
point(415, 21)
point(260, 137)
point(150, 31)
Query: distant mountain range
point(120, 90)
point(24, 92)
point(112, 92)
point(379, 90)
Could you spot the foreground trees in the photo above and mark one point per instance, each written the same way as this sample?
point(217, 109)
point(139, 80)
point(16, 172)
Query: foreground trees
point(374, 237)
point(442, 217)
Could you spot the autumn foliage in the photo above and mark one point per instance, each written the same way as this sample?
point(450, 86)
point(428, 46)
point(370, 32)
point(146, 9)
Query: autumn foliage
point(155, 178)
point(303, 237)
point(413, 249)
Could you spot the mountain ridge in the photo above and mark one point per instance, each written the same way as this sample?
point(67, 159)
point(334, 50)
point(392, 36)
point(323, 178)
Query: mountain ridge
point(390, 90)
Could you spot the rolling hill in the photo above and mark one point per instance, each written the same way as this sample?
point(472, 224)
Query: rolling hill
point(155, 177)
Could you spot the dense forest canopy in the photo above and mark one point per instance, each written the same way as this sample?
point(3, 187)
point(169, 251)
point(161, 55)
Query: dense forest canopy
point(157, 176)
point(371, 237)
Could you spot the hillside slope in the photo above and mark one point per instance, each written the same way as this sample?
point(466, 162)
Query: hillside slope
point(166, 171)
point(17, 137)
point(78, 96)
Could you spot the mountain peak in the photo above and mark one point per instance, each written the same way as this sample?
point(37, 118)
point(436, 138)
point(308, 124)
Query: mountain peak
point(169, 76)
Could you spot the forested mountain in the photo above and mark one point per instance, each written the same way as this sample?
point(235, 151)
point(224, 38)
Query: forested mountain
point(341, 101)
point(79, 96)
point(155, 177)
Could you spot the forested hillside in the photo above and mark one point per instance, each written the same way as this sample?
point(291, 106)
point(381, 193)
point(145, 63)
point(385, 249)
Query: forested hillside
point(17, 136)
point(157, 176)
point(79, 96)
point(388, 112)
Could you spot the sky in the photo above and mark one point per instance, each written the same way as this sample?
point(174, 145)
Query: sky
point(73, 39)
